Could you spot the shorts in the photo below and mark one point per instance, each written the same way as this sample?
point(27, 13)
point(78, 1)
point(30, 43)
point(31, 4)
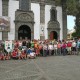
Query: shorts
point(68, 48)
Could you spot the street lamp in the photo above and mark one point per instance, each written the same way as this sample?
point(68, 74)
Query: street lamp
point(42, 29)
point(42, 33)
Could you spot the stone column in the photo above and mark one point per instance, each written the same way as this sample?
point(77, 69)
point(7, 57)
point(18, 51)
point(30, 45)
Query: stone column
point(24, 5)
point(42, 20)
point(5, 13)
point(64, 23)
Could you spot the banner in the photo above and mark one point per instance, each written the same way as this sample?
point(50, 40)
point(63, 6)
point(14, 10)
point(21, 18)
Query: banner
point(4, 23)
point(8, 46)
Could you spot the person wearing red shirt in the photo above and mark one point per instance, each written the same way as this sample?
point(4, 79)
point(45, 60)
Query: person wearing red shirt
point(23, 54)
point(69, 46)
point(64, 52)
point(14, 54)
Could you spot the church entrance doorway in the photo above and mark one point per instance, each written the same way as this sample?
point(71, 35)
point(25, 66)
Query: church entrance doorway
point(24, 32)
point(53, 35)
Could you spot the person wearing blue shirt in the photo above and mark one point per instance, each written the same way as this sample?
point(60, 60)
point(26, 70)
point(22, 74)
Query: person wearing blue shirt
point(28, 52)
point(78, 46)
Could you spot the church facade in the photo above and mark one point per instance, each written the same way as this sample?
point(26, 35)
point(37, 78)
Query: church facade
point(32, 19)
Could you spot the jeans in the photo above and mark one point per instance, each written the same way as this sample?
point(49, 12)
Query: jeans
point(64, 51)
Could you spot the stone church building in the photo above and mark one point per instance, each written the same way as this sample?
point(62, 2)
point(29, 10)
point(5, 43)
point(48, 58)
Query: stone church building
point(32, 19)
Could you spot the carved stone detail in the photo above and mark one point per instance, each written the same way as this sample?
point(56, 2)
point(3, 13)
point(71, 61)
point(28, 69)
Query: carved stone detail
point(49, 2)
point(24, 18)
point(53, 26)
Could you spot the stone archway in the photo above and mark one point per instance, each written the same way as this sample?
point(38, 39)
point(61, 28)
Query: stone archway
point(26, 27)
point(25, 19)
point(53, 26)
point(24, 32)
point(53, 35)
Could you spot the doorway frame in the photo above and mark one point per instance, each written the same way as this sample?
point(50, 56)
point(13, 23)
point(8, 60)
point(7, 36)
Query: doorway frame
point(24, 18)
point(24, 28)
point(56, 35)
point(20, 24)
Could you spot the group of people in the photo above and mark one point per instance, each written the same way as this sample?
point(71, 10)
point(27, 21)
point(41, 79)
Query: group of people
point(23, 49)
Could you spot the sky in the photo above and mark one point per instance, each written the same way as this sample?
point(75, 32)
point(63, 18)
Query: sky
point(70, 22)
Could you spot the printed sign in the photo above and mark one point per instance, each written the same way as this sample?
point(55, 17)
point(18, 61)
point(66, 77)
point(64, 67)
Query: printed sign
point(4, 23)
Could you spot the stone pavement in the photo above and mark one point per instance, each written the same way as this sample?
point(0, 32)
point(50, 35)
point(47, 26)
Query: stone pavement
point(42, 68)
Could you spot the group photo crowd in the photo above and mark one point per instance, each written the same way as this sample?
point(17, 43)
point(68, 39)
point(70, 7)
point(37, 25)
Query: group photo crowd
point(30, 49)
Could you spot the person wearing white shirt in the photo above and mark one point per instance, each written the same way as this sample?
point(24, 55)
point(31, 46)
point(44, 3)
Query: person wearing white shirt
point(50, 48)
point(55, 48)
point(74, 47)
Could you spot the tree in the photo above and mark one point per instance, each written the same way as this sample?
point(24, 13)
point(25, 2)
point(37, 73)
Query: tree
point(71, 6)
point(77, 22)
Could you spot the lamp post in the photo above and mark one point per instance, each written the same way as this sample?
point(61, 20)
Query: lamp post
point(42, 37)
point(42, 29)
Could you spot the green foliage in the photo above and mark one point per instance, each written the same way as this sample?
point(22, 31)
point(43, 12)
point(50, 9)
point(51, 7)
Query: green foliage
point(72, 6)
point(77, 33)
point(77, 22)
point(78, 18)
point(58, 2)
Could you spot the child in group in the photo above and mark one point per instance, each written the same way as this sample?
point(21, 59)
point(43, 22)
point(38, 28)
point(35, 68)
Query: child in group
point(19, 54)
point(28, 52)
point(2, 56)
point(31, 54)
point(7, 56)
point(23, 54)
point(14, 54)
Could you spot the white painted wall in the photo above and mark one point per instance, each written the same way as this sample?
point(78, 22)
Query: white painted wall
point(0, 15)
point(13, 6)
point(60, 20)
point(36, 9)
point(47, 19)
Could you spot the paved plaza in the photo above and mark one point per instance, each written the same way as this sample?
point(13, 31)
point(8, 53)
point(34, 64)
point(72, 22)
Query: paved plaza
point(41, 68)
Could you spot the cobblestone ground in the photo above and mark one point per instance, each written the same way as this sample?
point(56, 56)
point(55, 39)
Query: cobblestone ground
point(42, 68)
